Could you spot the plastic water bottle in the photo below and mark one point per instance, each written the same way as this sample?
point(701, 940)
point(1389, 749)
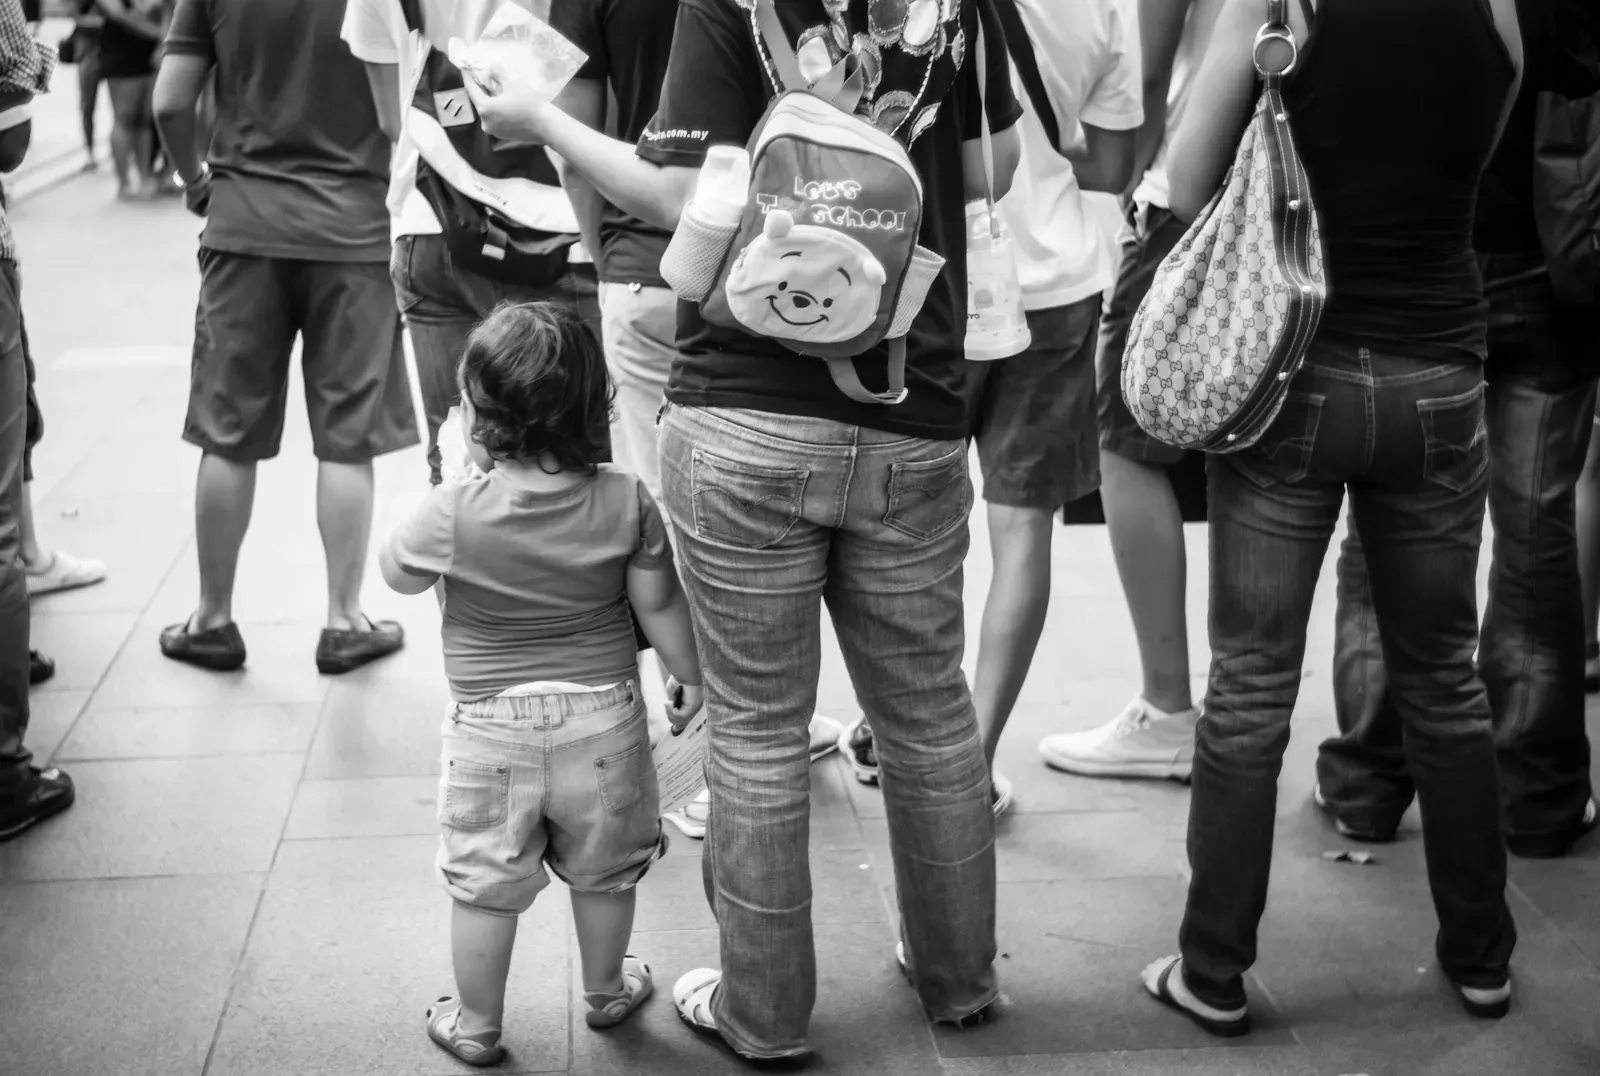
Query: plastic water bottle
point(723, 187)
point(997, 325)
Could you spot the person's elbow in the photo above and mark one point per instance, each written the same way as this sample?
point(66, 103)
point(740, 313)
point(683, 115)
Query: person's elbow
point(1187, 198)
point(175, 93)
point(1110, 165)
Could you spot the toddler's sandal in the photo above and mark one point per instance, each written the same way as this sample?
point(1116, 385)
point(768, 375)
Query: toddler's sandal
point(481, 1049)
point(1221, 1022)
point(609, 1010)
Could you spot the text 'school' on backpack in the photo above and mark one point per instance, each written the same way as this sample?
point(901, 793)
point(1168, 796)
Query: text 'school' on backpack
point(501, 208)
point(819, 252)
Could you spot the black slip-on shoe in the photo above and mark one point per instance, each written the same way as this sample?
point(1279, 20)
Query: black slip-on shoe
point(40, 668)
point(340, 651)
point(1555, 845)
point(43, 794)
point(219, 649)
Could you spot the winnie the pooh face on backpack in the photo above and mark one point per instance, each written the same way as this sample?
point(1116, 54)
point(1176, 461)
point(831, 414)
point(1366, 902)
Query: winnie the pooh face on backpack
point(805, 283)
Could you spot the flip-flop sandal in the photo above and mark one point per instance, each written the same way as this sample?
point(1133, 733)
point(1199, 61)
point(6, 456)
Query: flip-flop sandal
point(609, 1010)
point(1158, 983)
point(481, 1049)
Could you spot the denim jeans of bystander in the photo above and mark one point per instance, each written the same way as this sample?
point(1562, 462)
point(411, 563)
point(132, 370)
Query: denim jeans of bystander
point(776, 516)
point(1406, 437)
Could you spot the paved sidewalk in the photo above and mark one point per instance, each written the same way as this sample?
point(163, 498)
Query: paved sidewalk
point(244, 887)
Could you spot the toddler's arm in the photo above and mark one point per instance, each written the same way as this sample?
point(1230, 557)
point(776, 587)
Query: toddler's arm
point(663, 611)
point(398, 578)
point(421, 549)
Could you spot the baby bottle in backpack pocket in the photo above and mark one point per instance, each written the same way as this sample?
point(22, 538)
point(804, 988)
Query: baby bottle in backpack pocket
point(997, 326)
point(708, 224)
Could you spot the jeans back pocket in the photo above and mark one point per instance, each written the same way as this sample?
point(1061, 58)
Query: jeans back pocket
point(1284, 452)
point(475, 795)
point(1455, 439)
point(929, 498)
point(745, 504)
point(622, 777)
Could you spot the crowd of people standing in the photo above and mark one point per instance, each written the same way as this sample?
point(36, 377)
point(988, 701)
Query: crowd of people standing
point(641, 474)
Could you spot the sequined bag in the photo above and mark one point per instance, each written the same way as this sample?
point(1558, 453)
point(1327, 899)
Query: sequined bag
point(1234, 306)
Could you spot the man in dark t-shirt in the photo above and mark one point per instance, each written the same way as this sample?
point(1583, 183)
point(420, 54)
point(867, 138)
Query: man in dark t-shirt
point(296, 244)
point(783, 493)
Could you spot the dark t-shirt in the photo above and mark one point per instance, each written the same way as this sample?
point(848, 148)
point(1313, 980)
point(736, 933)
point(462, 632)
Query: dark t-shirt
point(1561, 53)
point(301, 168)
point(627, 42)
point(716, 91)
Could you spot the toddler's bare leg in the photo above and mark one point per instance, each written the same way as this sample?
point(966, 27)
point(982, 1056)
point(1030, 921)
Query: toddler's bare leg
point(604, 922)
point(480, 947)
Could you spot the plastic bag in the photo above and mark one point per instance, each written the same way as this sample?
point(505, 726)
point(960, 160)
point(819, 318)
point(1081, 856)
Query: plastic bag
point(455, 458)
point(517, 48)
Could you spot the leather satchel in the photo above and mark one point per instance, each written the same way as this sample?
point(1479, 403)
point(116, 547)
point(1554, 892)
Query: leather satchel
point(1227, 321)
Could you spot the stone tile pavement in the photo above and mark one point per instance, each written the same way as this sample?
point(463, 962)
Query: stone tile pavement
point(244, 888)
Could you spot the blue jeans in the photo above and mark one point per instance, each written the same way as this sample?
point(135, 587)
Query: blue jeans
point(775, 516)
point(1531, 658)
point(1406, 438)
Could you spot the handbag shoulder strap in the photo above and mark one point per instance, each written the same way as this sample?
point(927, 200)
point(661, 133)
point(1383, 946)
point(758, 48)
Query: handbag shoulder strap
point(1020, 46)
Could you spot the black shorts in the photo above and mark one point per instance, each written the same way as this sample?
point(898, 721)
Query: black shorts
point(358, 394)
point(1035, 413)
point(1152, 241)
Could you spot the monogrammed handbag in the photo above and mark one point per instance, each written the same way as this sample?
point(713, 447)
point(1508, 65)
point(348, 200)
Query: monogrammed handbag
point(1226, 324)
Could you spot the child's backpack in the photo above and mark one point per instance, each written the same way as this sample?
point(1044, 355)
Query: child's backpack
point(502, 209)
point(825, 259)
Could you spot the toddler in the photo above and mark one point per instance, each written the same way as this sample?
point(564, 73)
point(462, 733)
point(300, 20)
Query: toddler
point(547, 764)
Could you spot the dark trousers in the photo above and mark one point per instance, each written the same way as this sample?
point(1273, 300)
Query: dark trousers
point(442, 304)
point(1405, 437)
point(14, 758)
point(1531, 657)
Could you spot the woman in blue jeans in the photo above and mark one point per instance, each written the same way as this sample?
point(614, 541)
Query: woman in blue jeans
point(785, 495)
point(1395, 109)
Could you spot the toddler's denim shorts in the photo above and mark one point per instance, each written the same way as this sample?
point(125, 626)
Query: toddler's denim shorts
point(564, 782)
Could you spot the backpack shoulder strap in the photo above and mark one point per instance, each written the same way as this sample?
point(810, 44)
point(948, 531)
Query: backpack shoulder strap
point(784, 61)
point(412, 10)
point(1020, 46)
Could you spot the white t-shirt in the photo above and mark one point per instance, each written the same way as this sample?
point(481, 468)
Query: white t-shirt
point(1089, 61)
point(376, 32)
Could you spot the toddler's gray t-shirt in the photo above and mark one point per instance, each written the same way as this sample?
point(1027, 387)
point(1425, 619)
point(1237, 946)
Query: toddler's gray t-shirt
point(535, 583)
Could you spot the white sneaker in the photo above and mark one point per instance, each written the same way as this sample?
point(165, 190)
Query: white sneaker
point(1142, 741)
point(64, 572)
point(825, 733)
point(692, 817)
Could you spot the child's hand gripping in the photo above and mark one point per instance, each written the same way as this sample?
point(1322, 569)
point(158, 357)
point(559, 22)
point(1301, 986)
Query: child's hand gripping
point(683, 702)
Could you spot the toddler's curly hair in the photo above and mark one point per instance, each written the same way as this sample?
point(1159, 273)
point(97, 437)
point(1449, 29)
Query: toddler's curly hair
point(537, 381)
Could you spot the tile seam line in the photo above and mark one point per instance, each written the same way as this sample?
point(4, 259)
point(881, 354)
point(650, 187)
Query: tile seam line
point(138, 621)
point(261, 896)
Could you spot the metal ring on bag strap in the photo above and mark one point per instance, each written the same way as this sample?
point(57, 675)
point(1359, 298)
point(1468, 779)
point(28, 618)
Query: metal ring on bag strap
point(1275, 29)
